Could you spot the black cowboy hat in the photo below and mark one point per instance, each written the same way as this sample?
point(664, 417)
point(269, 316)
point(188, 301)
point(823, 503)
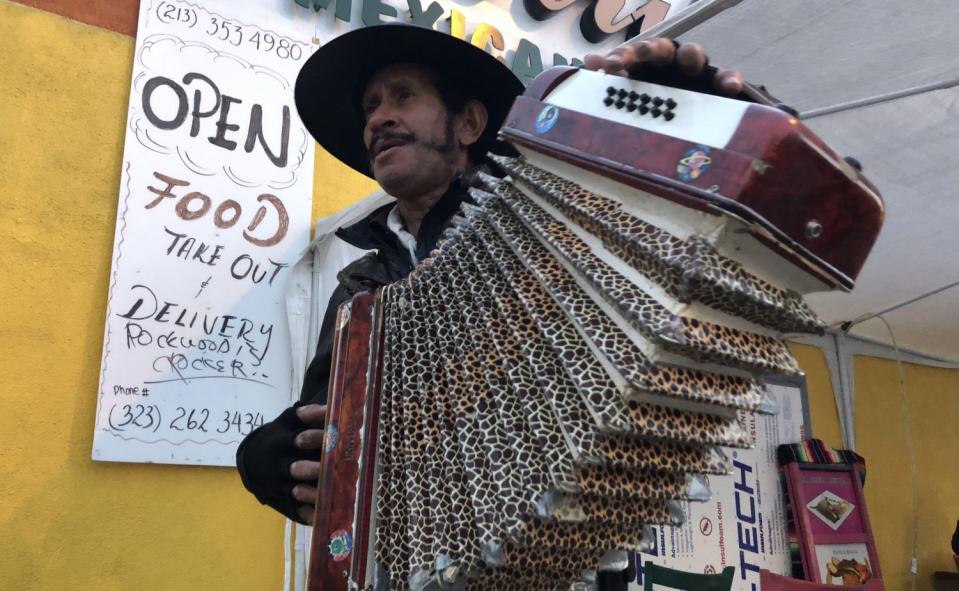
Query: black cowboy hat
point(331, 82)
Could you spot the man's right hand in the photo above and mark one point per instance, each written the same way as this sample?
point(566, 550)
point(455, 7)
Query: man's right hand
point(687, 60)
point(307, 472)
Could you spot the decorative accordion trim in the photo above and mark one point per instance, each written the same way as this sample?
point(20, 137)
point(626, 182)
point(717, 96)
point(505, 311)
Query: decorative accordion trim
point(690, 269)
point(689, 336)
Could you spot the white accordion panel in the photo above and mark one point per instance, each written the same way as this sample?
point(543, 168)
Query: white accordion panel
point(697, 117)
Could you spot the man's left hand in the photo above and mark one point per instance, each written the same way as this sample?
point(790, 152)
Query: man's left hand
point(689, 59)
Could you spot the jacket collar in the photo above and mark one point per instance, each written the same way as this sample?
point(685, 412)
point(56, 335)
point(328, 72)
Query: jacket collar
point(372, 231)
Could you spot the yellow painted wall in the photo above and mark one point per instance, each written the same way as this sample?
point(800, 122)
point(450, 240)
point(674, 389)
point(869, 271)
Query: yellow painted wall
point(822, 403)
point(66, 521)
point(933, 419)
point(933, 409)
point(336, 185)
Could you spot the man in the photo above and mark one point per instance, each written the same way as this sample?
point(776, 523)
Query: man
point(416, 110)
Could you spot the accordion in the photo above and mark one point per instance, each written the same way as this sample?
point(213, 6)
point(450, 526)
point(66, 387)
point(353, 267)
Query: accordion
point(585, 339)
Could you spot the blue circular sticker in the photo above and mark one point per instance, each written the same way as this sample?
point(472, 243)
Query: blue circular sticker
point(341, 545)
point(332, 436)
point(694, 163)
point(546, 119)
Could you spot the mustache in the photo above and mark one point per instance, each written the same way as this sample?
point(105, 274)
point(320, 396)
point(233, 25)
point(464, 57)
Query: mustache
point(406, 138)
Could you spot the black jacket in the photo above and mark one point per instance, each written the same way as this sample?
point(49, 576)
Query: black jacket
point(265, 455)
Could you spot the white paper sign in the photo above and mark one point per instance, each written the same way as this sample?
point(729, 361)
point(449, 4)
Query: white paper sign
point(744, 524)
point(214, 208)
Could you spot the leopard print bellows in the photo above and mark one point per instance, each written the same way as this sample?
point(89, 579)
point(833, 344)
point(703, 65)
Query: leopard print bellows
point(548, 388)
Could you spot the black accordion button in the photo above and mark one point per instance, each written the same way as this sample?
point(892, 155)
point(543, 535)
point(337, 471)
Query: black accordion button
point(620, 104)
point(656, 112)
point(622, 93)
point(608, 101)
point(631, 107)
point(657, 102)
point(668, 115)
point(670, 104)
point(644, 98)
point(643, 109)
point(610, 91)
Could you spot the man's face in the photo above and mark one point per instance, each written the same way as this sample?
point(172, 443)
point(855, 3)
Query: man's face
point(411, 138)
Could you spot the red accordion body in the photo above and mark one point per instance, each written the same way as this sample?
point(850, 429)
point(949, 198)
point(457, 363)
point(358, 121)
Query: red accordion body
point(344, 506)
point(770, 171)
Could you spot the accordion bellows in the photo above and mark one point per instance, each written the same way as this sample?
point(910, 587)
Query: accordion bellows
point(552, 380)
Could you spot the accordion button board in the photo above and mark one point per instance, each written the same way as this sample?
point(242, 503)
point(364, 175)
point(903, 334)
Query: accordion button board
point(728, 157)
point(574, 356)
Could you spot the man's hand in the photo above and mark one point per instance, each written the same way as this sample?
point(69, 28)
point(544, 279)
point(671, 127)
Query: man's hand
point(307, 471)
point(631, 60)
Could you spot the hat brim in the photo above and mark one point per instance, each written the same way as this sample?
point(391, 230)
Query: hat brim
point(328, 84)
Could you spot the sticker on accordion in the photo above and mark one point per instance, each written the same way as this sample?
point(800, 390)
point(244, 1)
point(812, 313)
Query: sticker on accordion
point(694, 163)
point(332, 436)
point(546, 119)
point(341, 545)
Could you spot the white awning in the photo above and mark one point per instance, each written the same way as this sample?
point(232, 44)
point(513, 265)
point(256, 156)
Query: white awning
point(878, 80)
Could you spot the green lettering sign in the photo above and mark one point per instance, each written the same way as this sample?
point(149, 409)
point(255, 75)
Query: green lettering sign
point(559, 60)
point(343, 7)
point(373, 10)
point(425, 18)
point(528, 62)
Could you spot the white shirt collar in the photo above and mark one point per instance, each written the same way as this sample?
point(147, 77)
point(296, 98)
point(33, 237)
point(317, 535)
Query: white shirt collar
point(395, 223)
